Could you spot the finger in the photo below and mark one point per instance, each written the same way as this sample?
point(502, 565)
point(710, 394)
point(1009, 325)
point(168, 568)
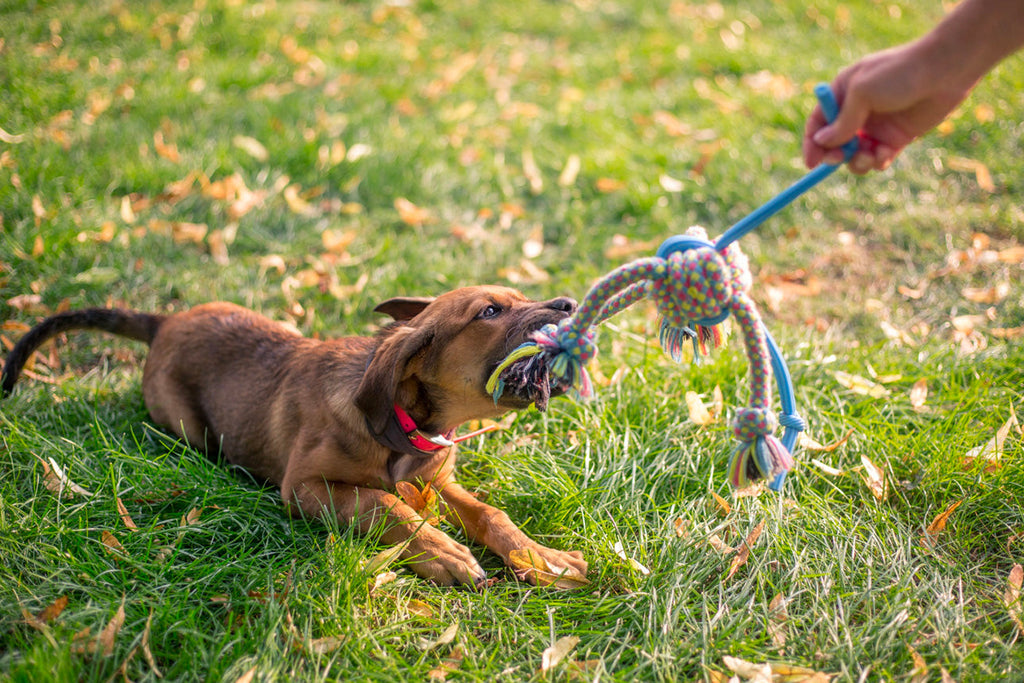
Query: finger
point(851, 118)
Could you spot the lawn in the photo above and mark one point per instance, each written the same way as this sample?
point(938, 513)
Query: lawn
point(311, 159)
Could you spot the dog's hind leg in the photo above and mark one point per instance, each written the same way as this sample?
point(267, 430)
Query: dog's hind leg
point(430, 552)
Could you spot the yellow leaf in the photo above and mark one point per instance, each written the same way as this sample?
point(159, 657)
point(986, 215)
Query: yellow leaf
point(532, 172)
point(1012, 597)
point(446, 637)
point(382, 579)
point(146, 652)
point(534, 244)
point(297, 203)
point(384, 558)
point(58, 482)
point(419, 608)
point(991, 452)
point(777, 617)
point(409, 213)
point(980, 170)
point(987, 295)
point(337, 242)
point(938, 524)
point(108, 636)
point(919, 394)
point(325, 645)
point(743, 550)
point(827, 469)
point(165, 150)
point(699, 414)
point(723, 505)
point(110, 540)
point(608, 185)
point(875, 479)
point(860, 385)
point(125, 517)
point(633, 564)
point(526, 563)
point(810, 444)
point(570, 171)
point(247, 676)
point(251, 146)
point(556, 653)
point(681, 527)
point(755, 673)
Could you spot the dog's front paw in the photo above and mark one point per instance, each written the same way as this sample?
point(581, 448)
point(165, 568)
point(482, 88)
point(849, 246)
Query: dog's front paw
point(435, 556)
point(544, 566)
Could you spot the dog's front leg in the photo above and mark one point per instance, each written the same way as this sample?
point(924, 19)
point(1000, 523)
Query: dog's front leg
point(431, 553)
point(493, 528)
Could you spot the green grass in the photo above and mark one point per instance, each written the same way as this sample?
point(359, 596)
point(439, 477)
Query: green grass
point(439, 104)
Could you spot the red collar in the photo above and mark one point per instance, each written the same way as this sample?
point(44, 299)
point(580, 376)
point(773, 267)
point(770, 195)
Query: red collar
point(429, 443)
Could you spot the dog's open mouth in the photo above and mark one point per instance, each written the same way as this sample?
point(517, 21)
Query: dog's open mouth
point(529, 380)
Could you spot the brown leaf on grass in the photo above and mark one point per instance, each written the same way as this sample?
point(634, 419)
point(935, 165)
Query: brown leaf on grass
point(532, 172)
point(27, 303)
point(448, 666)
point(113, 545)
point(743, 550)
point(166, 150)
point(218, 243)
point(567, 178)
point(623, 247)
point(609, 185)
point(58, 482)
point(525, 563)
point(337, 242)
point(633, 564)
point(49, 613)
point(681, 527)
point(247, 676)
point(987, 295)
point(938, 525)
point(920, 671)
point(1007, 332)
point(860, 385)
point(875, 479)
point(447, 636)
point(991, 452)
point(556, 652)
point(671, 124)
point(896, 334)
point(755, 673)
point(723, 505)
point(325, 645)
point(410, 214)
point(777, 618)
point(534, 244)
point(146, 652)
point(108, 636)
point(981, 173)
point(251, 146)
point(419, 608)
point(1012, 596)
point(919, 394)
point(384, 558)
point(699, 413)
point(807, 443)
point(827, 469)
point(913, 292)
point(382, 579)
point(297, 203)
point(125, 517)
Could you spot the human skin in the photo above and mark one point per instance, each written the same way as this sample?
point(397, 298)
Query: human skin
point(892, 97)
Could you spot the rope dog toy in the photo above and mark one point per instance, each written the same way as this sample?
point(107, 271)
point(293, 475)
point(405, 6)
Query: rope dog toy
point(696, 285)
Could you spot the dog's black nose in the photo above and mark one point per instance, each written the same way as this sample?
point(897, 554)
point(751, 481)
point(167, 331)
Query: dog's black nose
point(562, 303)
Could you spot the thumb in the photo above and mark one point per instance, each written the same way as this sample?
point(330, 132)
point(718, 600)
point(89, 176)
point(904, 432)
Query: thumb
point(851, 119)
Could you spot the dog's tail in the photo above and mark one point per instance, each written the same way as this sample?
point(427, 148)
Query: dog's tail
point(132, 324)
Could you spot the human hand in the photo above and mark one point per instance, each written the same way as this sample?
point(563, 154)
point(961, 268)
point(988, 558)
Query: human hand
point(887, 100)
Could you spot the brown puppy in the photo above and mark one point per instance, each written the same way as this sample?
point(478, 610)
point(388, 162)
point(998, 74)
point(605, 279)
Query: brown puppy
point(336, 424)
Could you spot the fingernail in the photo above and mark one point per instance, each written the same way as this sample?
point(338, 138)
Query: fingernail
point(822, 136)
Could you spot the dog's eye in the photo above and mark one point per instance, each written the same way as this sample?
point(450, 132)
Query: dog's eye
point(490, 312)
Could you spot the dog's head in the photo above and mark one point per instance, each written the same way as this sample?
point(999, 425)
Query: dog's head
point(435, 359)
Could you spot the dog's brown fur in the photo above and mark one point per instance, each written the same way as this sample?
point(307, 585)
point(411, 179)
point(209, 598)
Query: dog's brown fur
point(316, 418)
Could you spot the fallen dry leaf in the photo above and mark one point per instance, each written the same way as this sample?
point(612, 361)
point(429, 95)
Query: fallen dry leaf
point(325, 645)
point(251, 146)
point(919, 394)
point(419, 608)
point(146, 652)
point(1012, 597)
point(939, 523)
point(382, 579)
point(991, 452)
point(166, 150)
point(723, 505)
point(743, 550)
point(827, 469)
point(875, 479)
point(337, 242)
point(755, 673)
point(555, 653)
point(699, 413)
point(633, 564)
point(681, 527)
point(111, 542)
point(981, 173)
point(409, 213)
point(108, 636)
point(532, 172)
point(384, 558)
point(534, 244)
point(860, 385)
point(987, 295)
point(450, 665)
point(808, 443)
point(125, 517)
point(525, 562)
point(447, 636)
point(570, 171)
point(58, 482)
point(777, 618)
point(247, 676)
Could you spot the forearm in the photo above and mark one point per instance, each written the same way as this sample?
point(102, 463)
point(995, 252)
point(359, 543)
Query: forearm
point(974, 37)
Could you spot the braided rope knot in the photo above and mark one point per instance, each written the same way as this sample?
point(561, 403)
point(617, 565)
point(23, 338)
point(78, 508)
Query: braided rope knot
point(751, 423)
point(695, 286)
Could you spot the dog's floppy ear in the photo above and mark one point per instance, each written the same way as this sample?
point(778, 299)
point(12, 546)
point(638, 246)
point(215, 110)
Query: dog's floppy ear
point(403, 307)
point(376, 394)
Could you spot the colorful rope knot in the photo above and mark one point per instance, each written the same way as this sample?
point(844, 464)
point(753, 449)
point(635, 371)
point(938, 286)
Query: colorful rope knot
point(759, 454)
